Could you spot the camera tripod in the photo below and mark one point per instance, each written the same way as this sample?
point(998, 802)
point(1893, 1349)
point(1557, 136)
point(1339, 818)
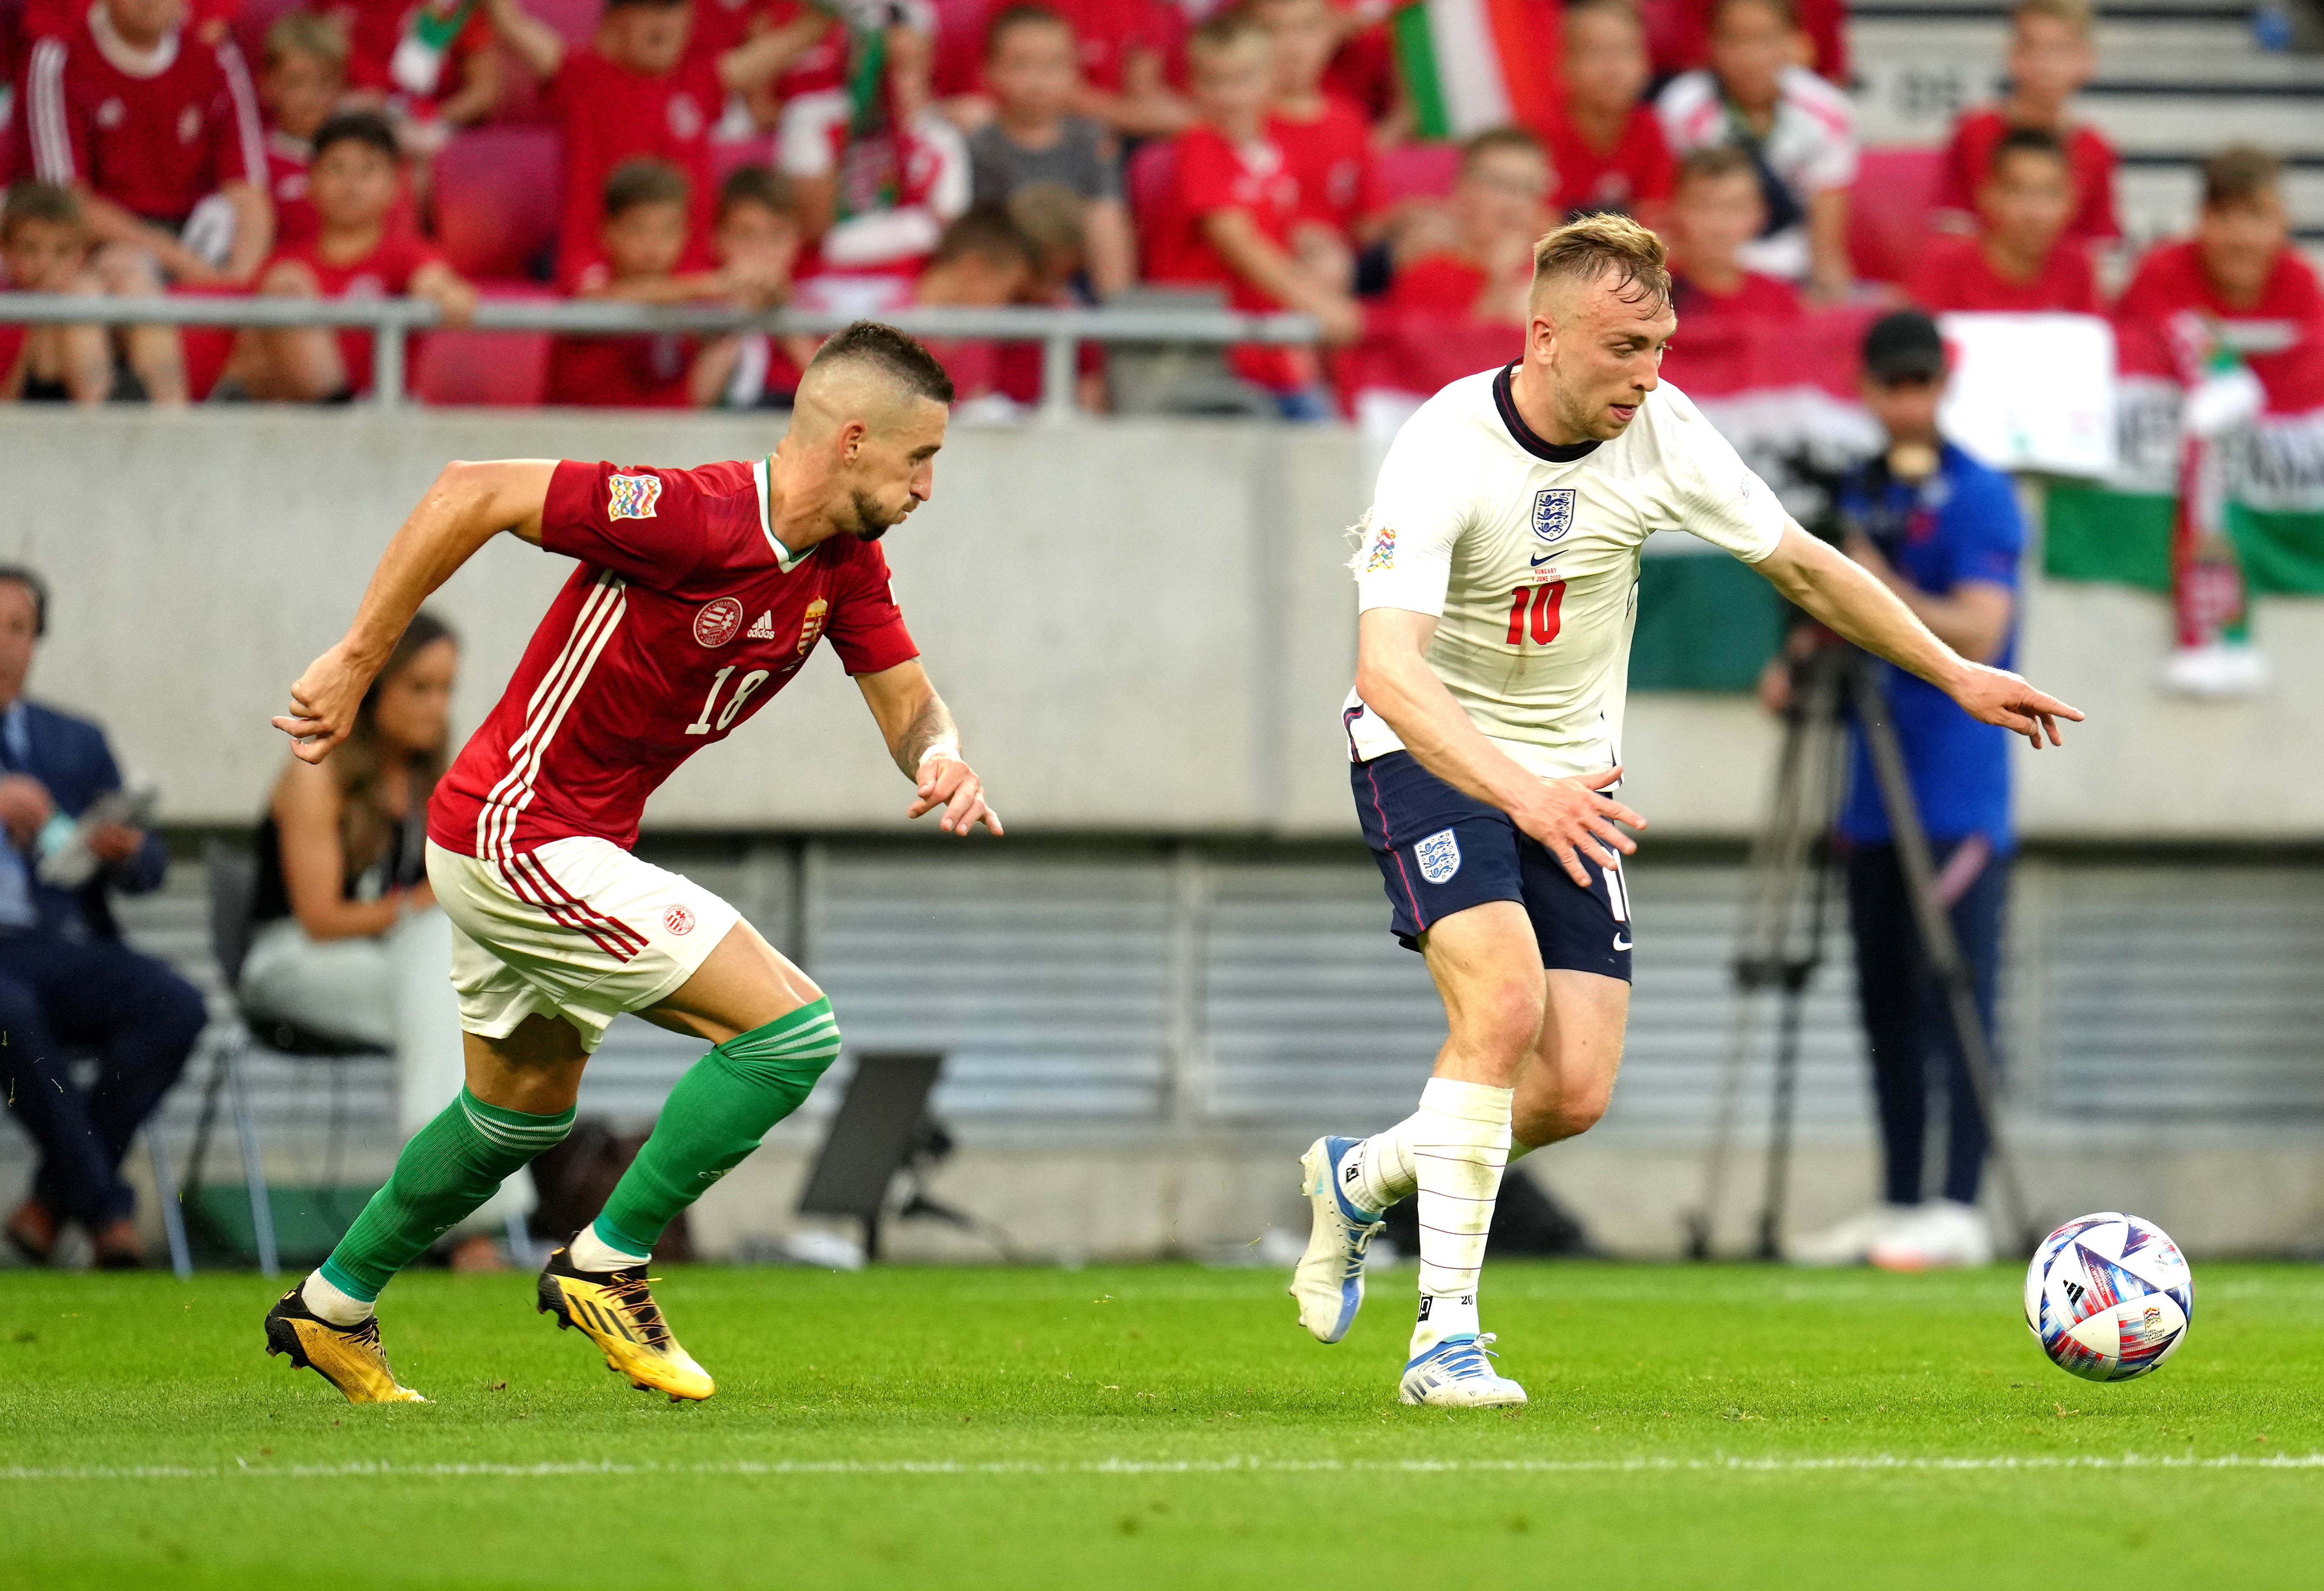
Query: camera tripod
point(1787, 892)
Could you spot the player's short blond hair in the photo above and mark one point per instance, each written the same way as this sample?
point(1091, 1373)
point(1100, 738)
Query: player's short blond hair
point(1587, 249)
point(2081, 15)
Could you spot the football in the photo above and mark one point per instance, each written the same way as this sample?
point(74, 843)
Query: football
point(2108, 1297)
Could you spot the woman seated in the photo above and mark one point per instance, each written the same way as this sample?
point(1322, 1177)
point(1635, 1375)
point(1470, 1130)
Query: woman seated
point(348, 938)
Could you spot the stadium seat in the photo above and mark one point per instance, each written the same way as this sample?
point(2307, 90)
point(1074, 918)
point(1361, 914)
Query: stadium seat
point(497, 196)
point(1417, 171)
point(959, 66)
point(1888, 209)
point(490, 369)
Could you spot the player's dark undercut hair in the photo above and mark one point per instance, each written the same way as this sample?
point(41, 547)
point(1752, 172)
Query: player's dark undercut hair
point(893, 354)
point(2038, 141)
point(643, 181)
point(1596, 246)
point(357, 126)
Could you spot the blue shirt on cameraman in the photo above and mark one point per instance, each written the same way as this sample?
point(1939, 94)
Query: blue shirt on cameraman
point(1960, 523)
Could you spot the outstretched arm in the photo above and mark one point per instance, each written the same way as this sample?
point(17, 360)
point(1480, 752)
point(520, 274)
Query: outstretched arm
point(468, 505)
point(1574, 818)
point(925, 743)
point(1852, 601)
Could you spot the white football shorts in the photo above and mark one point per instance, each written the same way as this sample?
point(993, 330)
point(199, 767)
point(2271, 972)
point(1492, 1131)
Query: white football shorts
point(578, 929)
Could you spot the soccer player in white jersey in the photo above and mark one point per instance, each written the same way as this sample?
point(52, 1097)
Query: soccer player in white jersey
point(1498, 580)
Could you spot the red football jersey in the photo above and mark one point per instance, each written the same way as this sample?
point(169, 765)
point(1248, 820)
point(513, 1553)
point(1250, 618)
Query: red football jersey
point(385, 272)
point(685, 618)
point(2281, 336)
point(611, 114)
point(287, 158)
point(2088, 156)
point(1331, 159)
point(1209, 174)
point(1953, 274)
point(1638, 170)
point(155, 141)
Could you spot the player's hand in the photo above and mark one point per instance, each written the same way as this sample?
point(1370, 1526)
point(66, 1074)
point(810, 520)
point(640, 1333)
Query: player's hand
point(952, 784)
point(1996, 696)
point(1575, 818)
point(323, 703)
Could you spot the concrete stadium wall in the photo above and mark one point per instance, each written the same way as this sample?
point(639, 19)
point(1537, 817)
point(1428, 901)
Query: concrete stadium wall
point(1143, 625)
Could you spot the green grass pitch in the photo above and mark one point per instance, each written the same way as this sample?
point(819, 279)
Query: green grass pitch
point(1167, 1427)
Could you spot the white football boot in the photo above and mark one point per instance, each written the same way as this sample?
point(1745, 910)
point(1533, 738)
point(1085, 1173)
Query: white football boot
point(1456, 1374)
point(1943, 1235)
point(1329, 1281)
point(1849, 1241)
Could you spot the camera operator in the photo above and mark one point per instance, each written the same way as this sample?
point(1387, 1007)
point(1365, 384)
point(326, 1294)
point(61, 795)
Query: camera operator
point(1944, 531)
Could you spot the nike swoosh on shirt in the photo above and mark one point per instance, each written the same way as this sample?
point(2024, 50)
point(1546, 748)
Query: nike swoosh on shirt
point(1620, 943)
point(1543, 559)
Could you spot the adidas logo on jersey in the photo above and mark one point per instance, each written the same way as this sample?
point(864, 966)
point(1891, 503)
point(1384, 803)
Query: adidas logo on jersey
point(762, 628)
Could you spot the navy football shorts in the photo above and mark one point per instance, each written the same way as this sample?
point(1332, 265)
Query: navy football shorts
point(1441, 852)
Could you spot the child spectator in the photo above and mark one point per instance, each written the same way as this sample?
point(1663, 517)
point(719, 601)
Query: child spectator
point(1128, 48)
point(1050, 216)
point(432, 65)
point(1798, 131)
point(45, 248)
point(1500, 205)
point(1325, 140)
point(160, 134)
point(2239, 272)
point(1226, 217)
point(820, 61)
point(1604, 140)
point(878, 170)
point(1715, 213)
point(2052, 54)
point(757, 242)
point(2020, 259)
point(299, 85)
point(641, 242)
point(355, 254)
point(635, 93)
point(1030, 71)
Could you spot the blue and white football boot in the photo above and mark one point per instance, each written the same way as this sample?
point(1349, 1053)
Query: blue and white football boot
point(1329, 1282)
point(1456, 1373)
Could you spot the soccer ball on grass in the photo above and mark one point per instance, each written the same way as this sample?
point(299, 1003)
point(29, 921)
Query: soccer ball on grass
point(2108, 1297)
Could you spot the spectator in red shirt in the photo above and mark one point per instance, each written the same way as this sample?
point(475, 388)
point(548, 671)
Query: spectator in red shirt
point(2052, 54)
point(1501, 208)
point(1716, 210)
point(355, 254)
point(159, 133)
point(1228, 215)
point(1325, 140)
point(1606, 143)
point(431, 65)
point(1128, 48)
point(636, 92)
point(2241, 273)
point(721, 25)
point(757, 242)
point(300, 81)
point(2021, 259)
point(45, 248)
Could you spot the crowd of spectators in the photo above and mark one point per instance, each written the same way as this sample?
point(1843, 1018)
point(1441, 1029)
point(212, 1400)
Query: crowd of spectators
point(854, 156)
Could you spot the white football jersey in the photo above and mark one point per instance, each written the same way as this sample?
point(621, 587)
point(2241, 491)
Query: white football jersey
point(1526, 553)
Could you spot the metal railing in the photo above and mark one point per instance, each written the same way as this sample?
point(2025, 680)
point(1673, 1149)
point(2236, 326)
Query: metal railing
point(1061, 332)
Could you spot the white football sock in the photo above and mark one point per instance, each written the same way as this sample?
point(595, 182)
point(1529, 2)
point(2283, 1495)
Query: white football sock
point(593, 1253)
point(1460, 1142)
point(335, 1305)
point(1384, 1166)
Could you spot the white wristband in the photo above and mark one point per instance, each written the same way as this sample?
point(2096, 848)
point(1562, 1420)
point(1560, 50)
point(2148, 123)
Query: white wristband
point(942, 748)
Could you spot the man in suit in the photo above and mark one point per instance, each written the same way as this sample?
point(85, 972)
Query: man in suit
point(67, 981)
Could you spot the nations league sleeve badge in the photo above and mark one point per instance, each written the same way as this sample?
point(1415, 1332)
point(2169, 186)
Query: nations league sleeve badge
point(1552, 514)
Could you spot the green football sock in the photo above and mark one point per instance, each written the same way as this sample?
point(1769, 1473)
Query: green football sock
point(715, 1116)
point(451, 1165)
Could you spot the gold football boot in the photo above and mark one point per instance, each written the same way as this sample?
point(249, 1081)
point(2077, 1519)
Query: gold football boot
point(348, 1357)
point(615, 1310)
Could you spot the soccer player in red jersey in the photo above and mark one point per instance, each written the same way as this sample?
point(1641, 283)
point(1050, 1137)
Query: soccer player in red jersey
point(699, 594)
point(646, 93)
point(2052, 53)
point(1604, 140)
point(2021, 259)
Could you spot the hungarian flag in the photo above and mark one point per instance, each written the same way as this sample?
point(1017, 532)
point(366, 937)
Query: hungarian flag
point(1468, 65)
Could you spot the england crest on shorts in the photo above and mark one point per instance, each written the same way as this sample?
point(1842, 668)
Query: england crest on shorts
point(1439, 855)
point(1552, 513)
point(632, 496)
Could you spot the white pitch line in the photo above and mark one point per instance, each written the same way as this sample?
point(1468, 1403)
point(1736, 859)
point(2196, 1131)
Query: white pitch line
point(1867, 1463)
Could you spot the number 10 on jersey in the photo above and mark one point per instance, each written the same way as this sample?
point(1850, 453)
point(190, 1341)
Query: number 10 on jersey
point(1544, 601)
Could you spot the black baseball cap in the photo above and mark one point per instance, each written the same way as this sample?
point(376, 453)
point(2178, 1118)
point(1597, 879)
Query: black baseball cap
point(1902, 346)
